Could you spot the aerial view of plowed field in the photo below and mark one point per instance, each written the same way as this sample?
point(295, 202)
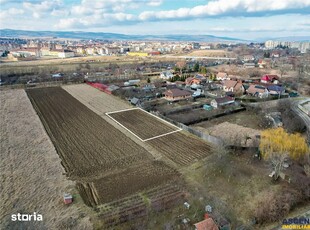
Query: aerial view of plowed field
point(106, 164)
point(136, 178)
point(181, 148)
point(86, 143)
point(142, 123)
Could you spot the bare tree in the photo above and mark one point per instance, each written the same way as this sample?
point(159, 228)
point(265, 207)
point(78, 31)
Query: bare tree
point(277, 162)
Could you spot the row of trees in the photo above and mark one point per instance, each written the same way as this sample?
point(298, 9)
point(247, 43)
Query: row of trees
point(197, 68)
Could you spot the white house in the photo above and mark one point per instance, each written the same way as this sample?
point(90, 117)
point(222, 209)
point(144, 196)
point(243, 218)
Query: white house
point(218, 102)
point(66, 54)
point(220, 76)
point(166, 75)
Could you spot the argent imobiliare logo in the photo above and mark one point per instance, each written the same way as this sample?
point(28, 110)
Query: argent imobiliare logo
point(296, 223)
point(27, 217)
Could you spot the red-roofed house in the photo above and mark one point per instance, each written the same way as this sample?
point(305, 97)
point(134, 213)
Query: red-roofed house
point(207, 224)
point(268, 78)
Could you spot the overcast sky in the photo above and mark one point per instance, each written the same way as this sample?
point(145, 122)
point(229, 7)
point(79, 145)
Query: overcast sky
point(246, 19)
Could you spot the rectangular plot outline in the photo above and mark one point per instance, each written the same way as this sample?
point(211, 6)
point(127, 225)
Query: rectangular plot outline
point(148, 139)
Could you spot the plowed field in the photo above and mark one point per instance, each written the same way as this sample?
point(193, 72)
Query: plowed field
point(180, 148)
point(107, 164)
point(86, 143)
point(142, 124)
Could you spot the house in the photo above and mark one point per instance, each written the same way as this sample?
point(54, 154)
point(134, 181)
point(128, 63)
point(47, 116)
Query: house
point(258, 91)
point(220, 76)
point(166, 75)
point(112, 50)
point(134, 101)
point(26, 52)
point(247, 58)
point(176, 94)
point(90, 50)
point(207, 224)
point(197, 93)
point(233, 86)
point(262, 63)
point(148, 87)
point(197, 80)
point(66, 54)
point(275, 54)
point(268, 78)
point(222, 101)
point(179, 83)
point(275, 89)
point(249, 65)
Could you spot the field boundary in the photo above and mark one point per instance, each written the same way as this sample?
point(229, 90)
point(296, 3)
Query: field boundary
point(178, 129)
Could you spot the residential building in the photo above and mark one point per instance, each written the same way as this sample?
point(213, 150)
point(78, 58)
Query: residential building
point(197, 80)
point(167, 75)
point(249, 65)
point(220, 76)
point(248, 58)
point(66, 54)
point(262, 63)
point(233, 86)
point(26, 52)
point(258, 91)
point(270, 78)
point(275, 90)
point(177, 94)
point(207, 224)
point(222, 101)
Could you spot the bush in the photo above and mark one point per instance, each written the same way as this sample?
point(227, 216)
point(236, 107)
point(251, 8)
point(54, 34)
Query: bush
point(273, 206)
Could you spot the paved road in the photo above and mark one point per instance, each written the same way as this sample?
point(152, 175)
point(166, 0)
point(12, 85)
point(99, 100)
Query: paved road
point(300, 113)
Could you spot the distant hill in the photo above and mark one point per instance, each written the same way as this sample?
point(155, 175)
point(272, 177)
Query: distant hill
point(287, 39)
point(112, 36)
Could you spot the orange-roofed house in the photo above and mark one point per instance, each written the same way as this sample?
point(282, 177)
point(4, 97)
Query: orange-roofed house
point(207, 224)
point(233, 86)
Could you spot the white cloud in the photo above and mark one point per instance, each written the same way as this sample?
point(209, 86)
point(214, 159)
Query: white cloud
point(38, 9)
point(11, 12)
point(155, 2)
point(102, 13)
point(223, 7)
point(96, 20)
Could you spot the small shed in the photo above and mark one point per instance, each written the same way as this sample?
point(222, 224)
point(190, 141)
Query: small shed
point(207, 107)
point(134, 101)
point(186, 205)
point(68, 198)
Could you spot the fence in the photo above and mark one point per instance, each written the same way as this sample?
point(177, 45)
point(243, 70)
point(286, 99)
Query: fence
point(202, 135)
